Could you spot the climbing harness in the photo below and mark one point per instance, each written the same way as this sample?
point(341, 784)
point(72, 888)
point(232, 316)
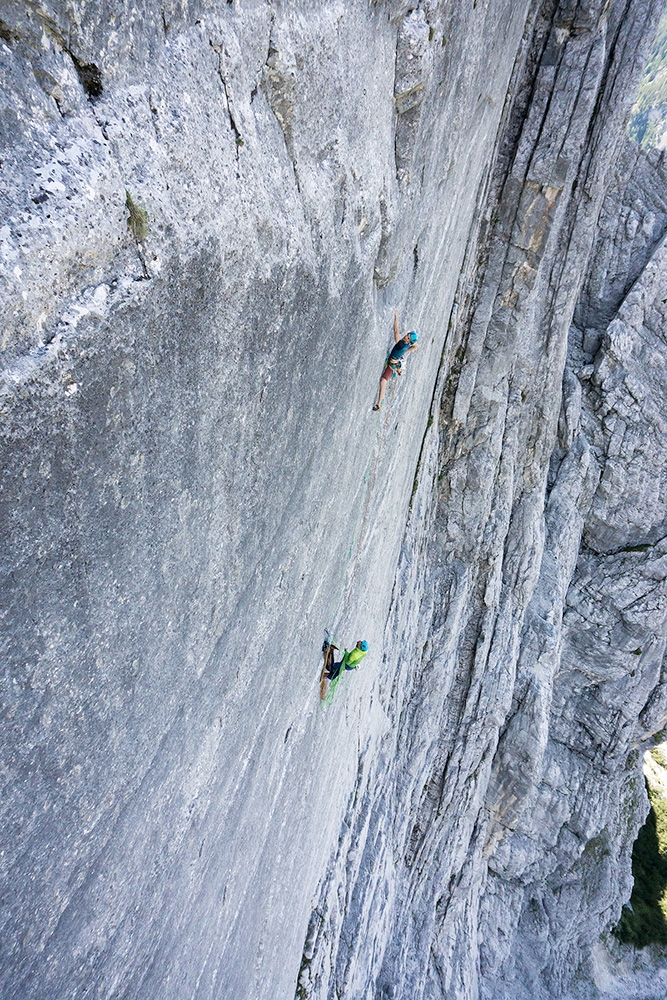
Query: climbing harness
point(394, 364)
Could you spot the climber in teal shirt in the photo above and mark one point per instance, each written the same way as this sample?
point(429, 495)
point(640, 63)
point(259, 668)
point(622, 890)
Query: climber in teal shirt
point(402, 346)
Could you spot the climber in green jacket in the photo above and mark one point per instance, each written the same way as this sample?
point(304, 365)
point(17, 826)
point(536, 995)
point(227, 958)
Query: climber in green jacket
point(350, 661)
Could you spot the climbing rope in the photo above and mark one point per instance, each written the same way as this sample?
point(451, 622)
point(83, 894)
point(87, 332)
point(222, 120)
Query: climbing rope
point(342, 599)
point(337, 603)
point(369, 496)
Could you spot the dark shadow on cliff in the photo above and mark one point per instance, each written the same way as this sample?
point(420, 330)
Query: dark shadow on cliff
point(644, 922)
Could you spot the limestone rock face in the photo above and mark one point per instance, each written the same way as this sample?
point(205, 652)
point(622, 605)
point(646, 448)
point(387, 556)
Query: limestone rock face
point(209, 213)
point(605, 631)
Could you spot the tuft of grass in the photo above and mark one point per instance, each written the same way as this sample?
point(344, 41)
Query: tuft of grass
point(644, 921)
point(137, 221)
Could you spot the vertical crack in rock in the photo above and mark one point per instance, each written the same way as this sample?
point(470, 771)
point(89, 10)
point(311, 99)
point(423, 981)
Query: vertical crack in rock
point(279, 81)
point(410, 79)
point(238, 138)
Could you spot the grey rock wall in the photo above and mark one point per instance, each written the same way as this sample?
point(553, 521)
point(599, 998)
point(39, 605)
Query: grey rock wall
point(497, 850)
point(193, 482)
point(194, 486)
point(607, 693)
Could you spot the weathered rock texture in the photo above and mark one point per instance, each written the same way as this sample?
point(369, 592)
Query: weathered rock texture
point(194, 486)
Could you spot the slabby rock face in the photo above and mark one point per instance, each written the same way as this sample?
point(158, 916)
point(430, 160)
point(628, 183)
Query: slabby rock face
point(193, 486)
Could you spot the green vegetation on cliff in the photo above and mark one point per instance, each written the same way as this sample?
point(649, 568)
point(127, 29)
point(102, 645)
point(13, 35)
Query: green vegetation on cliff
point(644, 921)
point(648, 120)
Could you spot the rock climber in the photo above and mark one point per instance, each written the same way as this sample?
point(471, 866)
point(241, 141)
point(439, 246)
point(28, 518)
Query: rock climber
point(402, 346)
point(350, 660)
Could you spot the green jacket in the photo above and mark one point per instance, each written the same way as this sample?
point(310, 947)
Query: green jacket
point(352, 659)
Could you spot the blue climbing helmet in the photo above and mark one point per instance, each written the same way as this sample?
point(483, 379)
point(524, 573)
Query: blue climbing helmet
point(413, 337)
point(363, 645)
